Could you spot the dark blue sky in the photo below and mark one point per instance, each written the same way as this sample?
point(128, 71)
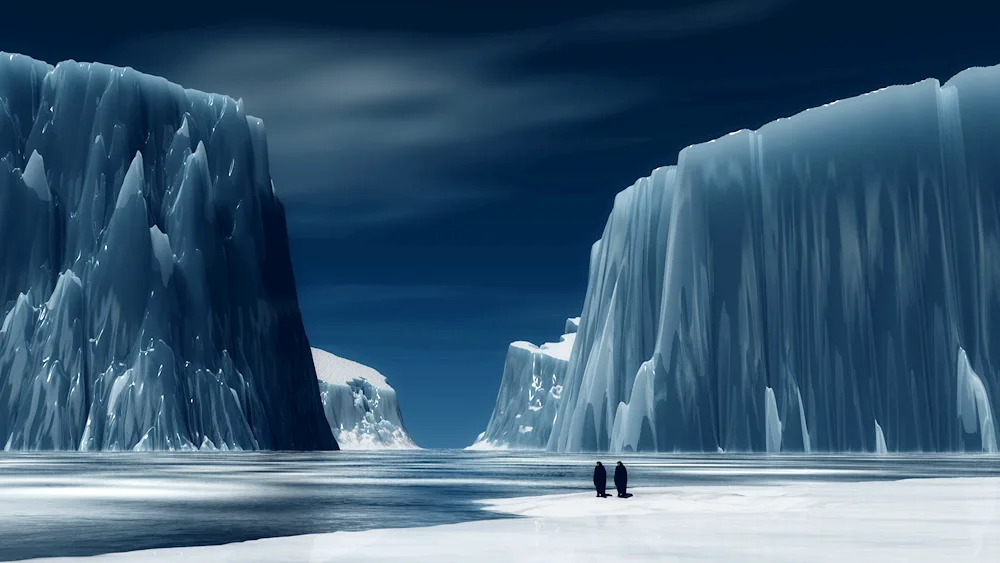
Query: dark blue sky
point(447, 165)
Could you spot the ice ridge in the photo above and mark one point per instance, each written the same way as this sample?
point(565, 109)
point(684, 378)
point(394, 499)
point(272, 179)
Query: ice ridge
point(828, 282)
point(146, 288)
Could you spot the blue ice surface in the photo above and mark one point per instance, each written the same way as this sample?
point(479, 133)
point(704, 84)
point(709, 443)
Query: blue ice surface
point(147, 298)
point(61, 504)
point(530, 390)
point(827, 282)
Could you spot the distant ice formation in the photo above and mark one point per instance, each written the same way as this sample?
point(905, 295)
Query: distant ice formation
point(829, 282)
point(146, 290)
point(359, 404)
point(529, 394)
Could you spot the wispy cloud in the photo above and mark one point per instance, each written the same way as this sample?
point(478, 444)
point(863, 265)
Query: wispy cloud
point(373, 129)
point(431, 312)
point(651, 24)
point(335, 298)
point(341, 297)
point(367, 128)
point(698, 17)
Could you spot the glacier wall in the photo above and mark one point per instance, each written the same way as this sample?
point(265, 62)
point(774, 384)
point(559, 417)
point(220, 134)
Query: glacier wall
point(529, 395)
point(828, 282)
point(360, 405)
point(147, 294)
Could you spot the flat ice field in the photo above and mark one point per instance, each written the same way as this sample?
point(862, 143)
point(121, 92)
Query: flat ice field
point(949, 519)
point(441, 506)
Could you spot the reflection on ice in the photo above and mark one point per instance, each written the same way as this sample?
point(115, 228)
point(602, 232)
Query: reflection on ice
point(89, 504)
point(36, 488)
point(919, 520)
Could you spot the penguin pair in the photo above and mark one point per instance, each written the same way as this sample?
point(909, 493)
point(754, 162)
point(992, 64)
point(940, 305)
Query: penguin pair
point(601, 480)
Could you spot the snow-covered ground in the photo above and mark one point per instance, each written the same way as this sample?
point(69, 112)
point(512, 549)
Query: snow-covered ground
point(932, 520)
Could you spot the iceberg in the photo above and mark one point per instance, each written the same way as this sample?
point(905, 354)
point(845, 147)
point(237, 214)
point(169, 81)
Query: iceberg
point(146, 289)
point(359, 404)
point(530, 390)
point(829, 282)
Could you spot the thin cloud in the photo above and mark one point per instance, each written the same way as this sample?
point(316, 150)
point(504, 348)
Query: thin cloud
point(335, 298)
point(642, 26)
point(368, 129)
point(424, 312)
point(662, 24)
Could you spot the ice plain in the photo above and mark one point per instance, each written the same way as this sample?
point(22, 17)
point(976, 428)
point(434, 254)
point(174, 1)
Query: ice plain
point(932, 520)
point(498, 506)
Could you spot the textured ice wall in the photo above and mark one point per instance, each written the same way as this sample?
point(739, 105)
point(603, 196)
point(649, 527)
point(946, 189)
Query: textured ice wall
point(617, 331)
point(805, 287)
point(359, 404)
point(530, 390)
point(146, 288)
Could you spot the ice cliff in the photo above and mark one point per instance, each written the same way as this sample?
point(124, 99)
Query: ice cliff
point(359, 404)
point(529, 395)
point(146, 288)
point(828, 282)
